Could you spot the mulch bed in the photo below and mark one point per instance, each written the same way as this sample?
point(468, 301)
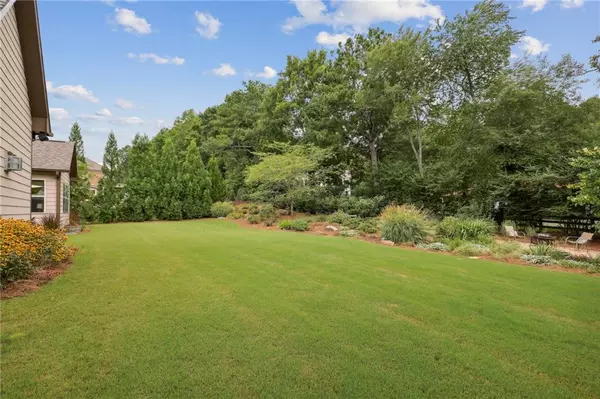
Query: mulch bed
point(38, 278)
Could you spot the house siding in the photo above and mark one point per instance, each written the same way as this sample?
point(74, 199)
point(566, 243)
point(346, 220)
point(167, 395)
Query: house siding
point(52, 195)
point(15, 123)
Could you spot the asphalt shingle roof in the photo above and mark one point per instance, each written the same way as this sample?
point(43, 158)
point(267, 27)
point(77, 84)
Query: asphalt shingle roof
point(54, 155)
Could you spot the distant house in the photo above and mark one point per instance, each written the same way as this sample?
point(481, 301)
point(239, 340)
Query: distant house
point(24, 113)
point(95, 170)
point(54, 167)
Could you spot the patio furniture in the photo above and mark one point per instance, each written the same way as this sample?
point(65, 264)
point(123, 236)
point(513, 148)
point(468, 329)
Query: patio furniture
point(582, 240)
point(542, 239)
point(512, 233)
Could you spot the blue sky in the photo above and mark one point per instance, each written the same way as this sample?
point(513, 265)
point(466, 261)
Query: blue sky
point(134, 66)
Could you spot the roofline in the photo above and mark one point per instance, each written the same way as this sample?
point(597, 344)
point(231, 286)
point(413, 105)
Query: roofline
point(33, 62)
point(49, 170)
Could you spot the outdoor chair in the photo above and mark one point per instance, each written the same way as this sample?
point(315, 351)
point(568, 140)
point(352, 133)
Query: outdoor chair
point(511, 232)
point(582, 240)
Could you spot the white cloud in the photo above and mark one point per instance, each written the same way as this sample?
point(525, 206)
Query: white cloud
point(331, 39)
point(130, 120)
point(571, 3)
point(267, 73)
point(536, 5)
point(59, 114)
point(143, 57)
point(104, 112)
point(123, 104)
point(71, 92)
point(224, 70)
point(131, 22)
point(360, 14)
point(208, 26)
point(532, 46)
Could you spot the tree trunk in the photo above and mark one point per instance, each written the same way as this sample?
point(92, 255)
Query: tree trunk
point(373, 151)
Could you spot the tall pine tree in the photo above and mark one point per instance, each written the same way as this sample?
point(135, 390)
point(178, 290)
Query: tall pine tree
point(80, 189)
point(194, 182)
point(218, 187)
point(110, 187)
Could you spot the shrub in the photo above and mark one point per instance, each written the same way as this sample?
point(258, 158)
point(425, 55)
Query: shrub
point(267, 212)
point(270, 222)
point(434, 246)
point(254, 219)
point(321, 218)
point(339, 217)
point(368, 226)
point(348, 233)
point(26, 246)
point(538, 259)
point(547, 250)
point(235, 215)
point(221, 209)
point(466, 229)
point(362, 207)
point(296, 225)
point(352, 222)
point(254, 209)
point(404, 223)
point(51, 221)
point(471, 249)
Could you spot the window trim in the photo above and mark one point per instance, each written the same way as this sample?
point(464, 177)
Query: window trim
point(68, 197)
point(31, 195)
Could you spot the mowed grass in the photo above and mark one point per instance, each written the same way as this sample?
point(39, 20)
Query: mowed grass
point(206, 308)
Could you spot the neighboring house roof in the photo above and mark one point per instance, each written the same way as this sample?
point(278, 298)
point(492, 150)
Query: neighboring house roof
point(92, 165)
point(54, 156)
point(33, 61)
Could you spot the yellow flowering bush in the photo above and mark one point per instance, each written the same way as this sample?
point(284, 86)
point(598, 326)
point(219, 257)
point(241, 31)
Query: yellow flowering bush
point(25, 246)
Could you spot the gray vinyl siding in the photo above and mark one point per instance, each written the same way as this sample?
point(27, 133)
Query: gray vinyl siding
point(15, 122)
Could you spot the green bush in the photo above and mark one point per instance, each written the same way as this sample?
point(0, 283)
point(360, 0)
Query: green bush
point(296, 225)
point(235, 215)
point(254, 209)
point(221, 209)
point(339, 217)
point(270, 222)
point(348, 233)
point(362, 207)
point(321, 218)
point(368, 226)
point(253, 219)
point(538, 259)
point(507, 250)
point(352, 222)
point(471, 249)
point(404, 223)
point(268, 212)
point(480, 230)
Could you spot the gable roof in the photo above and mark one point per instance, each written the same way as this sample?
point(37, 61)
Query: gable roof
point(93, 165)
point(54, 156)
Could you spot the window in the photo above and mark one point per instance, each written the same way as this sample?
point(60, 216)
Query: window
point(38, 195)
point(66, 195)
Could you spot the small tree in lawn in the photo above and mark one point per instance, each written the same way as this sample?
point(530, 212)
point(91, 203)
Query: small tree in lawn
point(588, 163)
point(288, 173)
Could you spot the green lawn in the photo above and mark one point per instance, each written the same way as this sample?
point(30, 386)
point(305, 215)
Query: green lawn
point(206, 308)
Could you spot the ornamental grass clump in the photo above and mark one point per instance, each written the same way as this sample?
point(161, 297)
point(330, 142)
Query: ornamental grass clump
point(25, 246)
point(221, 209)
point(468, 229)
point(404, 223)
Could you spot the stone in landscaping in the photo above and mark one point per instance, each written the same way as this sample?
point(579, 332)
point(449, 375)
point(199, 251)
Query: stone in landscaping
point(331, 228)
point(387, 242)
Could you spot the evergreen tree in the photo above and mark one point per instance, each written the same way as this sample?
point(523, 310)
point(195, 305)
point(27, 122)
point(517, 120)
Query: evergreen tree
point(194, 182)
point(218, 187)
point(139, 198)
point(110, 186)
point(169, 204)
point(80, 189)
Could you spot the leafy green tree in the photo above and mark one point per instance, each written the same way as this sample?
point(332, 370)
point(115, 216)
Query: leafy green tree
point(169, 190)
point(139, 196)
point(218, 188)
point(110, 187)
point(288, 173)
point(588, 164)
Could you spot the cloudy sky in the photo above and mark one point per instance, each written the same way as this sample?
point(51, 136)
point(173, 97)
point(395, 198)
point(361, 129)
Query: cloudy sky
point(134, 66)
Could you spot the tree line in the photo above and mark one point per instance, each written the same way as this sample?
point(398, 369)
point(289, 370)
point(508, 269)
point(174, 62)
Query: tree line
point(441, 118)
